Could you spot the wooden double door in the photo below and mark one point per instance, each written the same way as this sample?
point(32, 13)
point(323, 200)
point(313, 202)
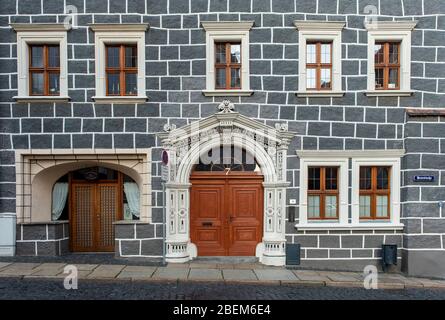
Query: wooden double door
point(226, 213)
point(94, 207)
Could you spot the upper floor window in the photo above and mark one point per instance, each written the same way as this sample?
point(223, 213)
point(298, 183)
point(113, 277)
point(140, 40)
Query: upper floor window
point(319, 65)
point(387, 65)
point(227, 63)
point(44, 70)
point(42, 62)
point(120, 62)
point(121, 70)
point(374, 201)
point(319, 58)
point(323, 193)
point(389, 58)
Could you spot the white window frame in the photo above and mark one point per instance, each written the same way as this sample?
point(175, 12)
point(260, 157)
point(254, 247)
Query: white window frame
point(34, 33)
point(394, 214)
point(391, 158)
point(324, 161)
point(320, 31)
point(227, 31)
point(105, 34)
point(399, 31)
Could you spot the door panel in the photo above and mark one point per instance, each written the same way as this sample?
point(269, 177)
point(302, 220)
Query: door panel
point(94, 208)
point(245, 218)
point(226, 215)
point(82, 228)
point(106, 215)
point(206, 222)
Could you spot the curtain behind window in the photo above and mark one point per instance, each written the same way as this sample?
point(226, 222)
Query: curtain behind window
point(131, 190)
point(60, 193)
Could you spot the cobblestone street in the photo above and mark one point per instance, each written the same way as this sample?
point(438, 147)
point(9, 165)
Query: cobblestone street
point(13, 288)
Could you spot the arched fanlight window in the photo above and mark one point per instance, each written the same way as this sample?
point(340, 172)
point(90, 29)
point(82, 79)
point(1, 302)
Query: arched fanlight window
point(227, 158)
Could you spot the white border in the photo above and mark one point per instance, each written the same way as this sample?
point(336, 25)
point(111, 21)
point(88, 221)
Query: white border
point(117, 34)
point(227, 31)
point(317, 30)
point(40, 34)
point(394, 163)
point(391, 31)
point(343, 189)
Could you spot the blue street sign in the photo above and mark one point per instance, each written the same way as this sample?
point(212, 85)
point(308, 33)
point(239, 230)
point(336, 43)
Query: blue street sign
point(424, 178)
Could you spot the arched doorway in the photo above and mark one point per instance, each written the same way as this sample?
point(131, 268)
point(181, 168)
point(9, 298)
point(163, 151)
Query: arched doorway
point(226, 203)
point(92, 199)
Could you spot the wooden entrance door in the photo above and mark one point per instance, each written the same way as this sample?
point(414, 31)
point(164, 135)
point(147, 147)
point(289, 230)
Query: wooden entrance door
point(226, 213)
point(94, 208)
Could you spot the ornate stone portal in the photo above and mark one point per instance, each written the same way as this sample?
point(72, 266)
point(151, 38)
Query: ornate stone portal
point(185, 146)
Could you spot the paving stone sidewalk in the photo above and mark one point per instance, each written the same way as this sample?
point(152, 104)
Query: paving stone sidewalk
point(229, 273)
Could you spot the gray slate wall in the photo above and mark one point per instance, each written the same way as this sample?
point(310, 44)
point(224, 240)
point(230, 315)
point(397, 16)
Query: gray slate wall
point(175, 76)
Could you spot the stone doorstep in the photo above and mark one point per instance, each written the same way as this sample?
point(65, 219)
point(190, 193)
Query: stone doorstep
point(106, 271)
point(205, 274)
point(170, 273)
point(239, 275)
point(3, 265)
point(275, 274)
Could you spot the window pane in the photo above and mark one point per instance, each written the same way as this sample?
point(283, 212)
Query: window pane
point(365, 178)
point(379, 79)
point(382, 206)
point(220, 53)
point(382, 178)
point(378, 53)
point(313, 208)
point(331, 206)
point(131, 86)
point(131, 57)
point(331, 178)
point(37, 56)
point(113, 57)
point(365, 206)
point(393, 53)
point(235, 80)
point(37, 83)
point(310, 79)
point(54, 83)
point(53, 57)
point(220, 78)
point(314, 179)
point(235, 53)
point(393, 81)
point(311, 53)
point(325, 53)
point(113, 84)
point(325, 78)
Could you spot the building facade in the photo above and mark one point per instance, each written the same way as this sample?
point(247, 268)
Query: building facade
point(319, 123)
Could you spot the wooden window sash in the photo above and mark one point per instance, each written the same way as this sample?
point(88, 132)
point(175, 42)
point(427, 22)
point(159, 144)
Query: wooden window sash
point(318, 65)
point(122, 70)
point(46, 70)
point(374, 192)
point(322, 193)
point(386, 65)
point(228, 65)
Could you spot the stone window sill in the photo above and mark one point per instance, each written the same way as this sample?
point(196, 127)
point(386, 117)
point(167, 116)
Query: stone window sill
point(226, 93)
point(389, 93)
point(41, 99)
point(347, 227)
point(123, 99)
point(329, 94)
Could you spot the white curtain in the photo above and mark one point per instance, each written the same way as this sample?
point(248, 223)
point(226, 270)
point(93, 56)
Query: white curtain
point(131, 190)
point(60, 193)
